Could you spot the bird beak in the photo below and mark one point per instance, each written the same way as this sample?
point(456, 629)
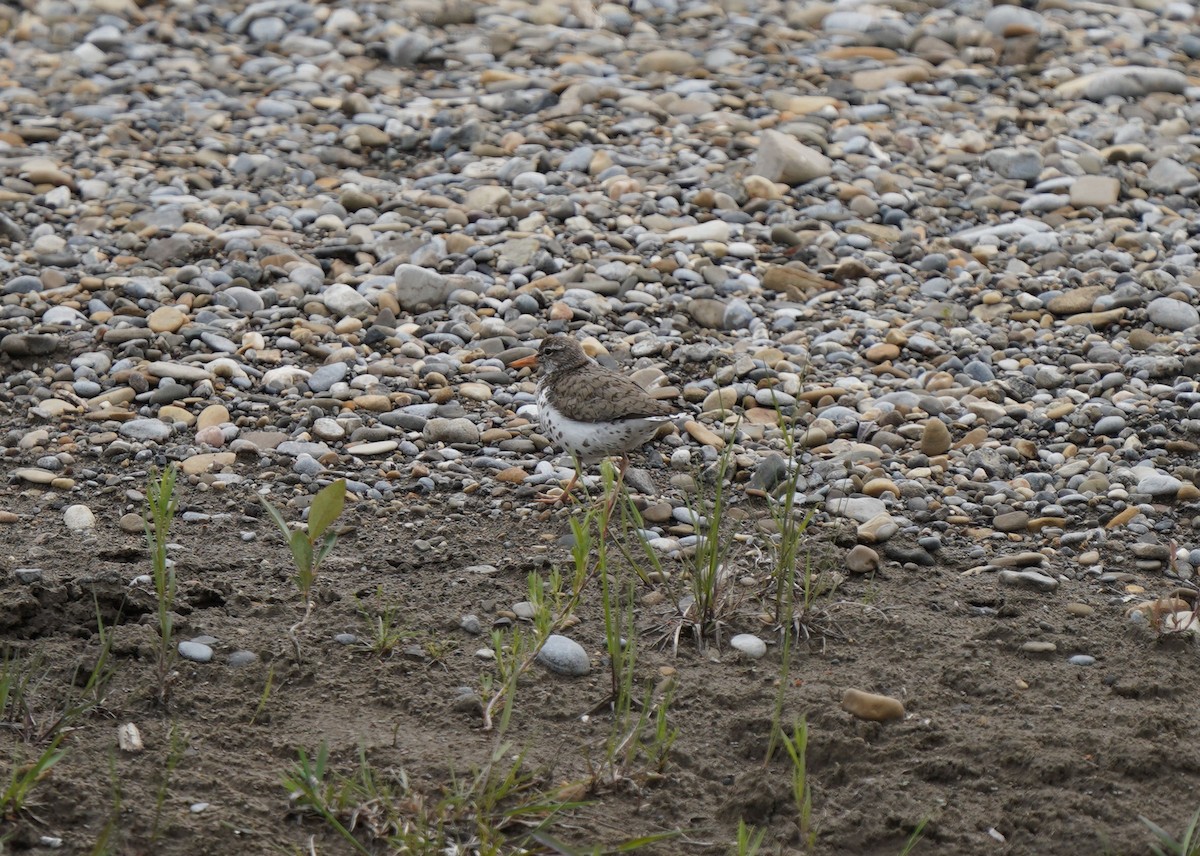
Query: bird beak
point(524, 362)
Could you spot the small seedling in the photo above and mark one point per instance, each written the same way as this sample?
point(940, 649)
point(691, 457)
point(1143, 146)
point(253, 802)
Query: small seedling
point(161, 506)
point(1168, 845)
point(108, 840)
point(384, 633)
point(312, 546)
point(913, 840)
point(268, 686)
point(749, 840)
point(176, 746)
point(309, 789)
point(24, 777)
point(797, 750)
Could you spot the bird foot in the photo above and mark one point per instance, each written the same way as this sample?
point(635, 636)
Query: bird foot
point(553, 498)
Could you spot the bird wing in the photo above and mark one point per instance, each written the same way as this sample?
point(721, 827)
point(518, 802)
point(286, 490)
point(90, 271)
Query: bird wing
point(599, 395)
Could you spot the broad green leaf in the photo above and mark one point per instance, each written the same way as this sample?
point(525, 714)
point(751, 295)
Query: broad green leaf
point(302, 553)
point(326, 506)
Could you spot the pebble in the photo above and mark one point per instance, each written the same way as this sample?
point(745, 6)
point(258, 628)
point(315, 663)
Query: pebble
point(564, 656)
point(862, 560)
point(150, 430)
point(872, 706)
point(935, 438)
point(1029, 579)
point(785, 159)
point(749, 646)
point(451, 431)
point(195, 651)
point(79, 518)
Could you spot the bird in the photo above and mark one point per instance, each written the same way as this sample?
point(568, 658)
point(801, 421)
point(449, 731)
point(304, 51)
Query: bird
point(590, 411)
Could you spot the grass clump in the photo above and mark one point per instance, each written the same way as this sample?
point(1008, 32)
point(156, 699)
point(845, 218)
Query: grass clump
point(499, 809)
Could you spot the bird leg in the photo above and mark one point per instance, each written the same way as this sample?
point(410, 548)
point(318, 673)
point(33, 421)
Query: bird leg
point(552, 499)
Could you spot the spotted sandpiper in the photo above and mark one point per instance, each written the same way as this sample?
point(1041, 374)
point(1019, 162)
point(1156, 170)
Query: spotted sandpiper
point(591, 411)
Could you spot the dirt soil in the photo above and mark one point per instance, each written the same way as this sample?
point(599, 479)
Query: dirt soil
point(1000, 751)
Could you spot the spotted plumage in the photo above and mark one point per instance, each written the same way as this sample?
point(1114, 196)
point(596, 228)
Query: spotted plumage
point(591, 411)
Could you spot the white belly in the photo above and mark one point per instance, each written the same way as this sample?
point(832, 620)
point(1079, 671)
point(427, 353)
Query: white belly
point(591, 441)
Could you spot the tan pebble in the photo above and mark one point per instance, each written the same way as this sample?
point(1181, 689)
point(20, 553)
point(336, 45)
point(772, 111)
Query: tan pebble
point(1020, 684)
point(8, 517)
point(882, 352)
point(935, 438)
point(495, 435)
point(1091, 557)
point(653, 598)
point(211, 436)
point(878, 487)
point(166, 319)
point(211, 416)
point(347, 326)
point(761, 187)
point(373, 403)
point(1188, 492)
point(1037, 524)
point(879, 528)
point(1082, 610)
point(53, 408)
point(703, 435)
point(814, 437)
point(720, 399)
point(973, 438)
point(871, 706)
point(761, 416)
point(173, 413)
point(658, 512)
point(512, 475)
point(419, 471)
point(197, 464)
point(601, 161)
point(475, 391)
point(1037, 646)
point(62, 483)
point(593, 347)
point(815, 395)
point(131, 523)
point(862, 560)
point(1122, 517)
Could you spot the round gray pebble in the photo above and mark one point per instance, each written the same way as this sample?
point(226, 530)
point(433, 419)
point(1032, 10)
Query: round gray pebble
point(564, 656)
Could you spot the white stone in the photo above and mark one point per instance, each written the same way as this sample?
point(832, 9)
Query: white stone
point(783, 158)
point(79, 518)
point(345, 302)
point(748, 645)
